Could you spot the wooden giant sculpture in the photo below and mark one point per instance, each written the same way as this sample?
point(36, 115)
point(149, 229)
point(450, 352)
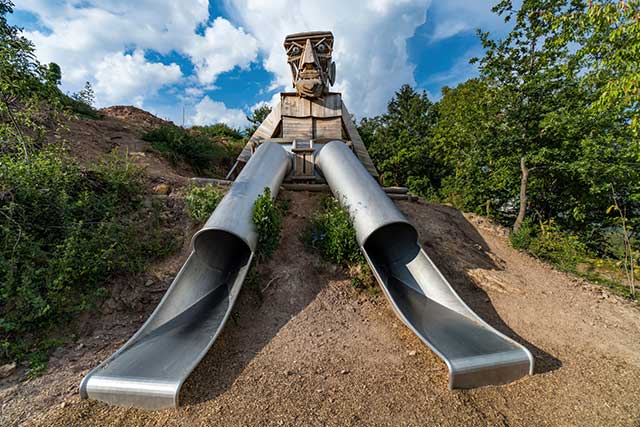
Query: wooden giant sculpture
point(310, 116)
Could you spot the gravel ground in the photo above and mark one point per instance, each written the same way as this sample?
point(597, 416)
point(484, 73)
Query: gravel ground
point(311, 350)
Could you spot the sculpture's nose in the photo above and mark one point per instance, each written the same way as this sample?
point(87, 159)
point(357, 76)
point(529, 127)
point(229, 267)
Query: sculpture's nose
point(307, 56)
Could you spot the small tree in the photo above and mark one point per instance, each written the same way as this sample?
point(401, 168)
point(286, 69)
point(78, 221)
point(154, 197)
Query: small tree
point(256, 118)
point(86, 95)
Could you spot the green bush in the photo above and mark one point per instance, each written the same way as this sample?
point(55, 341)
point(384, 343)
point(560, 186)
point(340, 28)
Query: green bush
point(547, 242)
point(63, 231)
point(331, 233)
point(178, 145)
point(79, 108)
point(267, 218)
point(219, 130)
point(561, 249)
point(202, 201)
point(522, 238)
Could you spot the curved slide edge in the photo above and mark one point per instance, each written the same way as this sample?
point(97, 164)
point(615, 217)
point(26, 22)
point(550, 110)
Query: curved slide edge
point(475, 353)
point(150, 368)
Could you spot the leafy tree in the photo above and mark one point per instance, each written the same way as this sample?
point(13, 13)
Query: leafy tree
point(256, 118)
point(54, 74)
point(470, 140)
point(527, 66)
point(24, 87)
point(399, 142)
point(609, 36)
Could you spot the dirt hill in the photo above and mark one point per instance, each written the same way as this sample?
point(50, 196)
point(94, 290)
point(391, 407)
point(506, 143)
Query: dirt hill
point(311, 350)
point(121, 129)
point(314, 351)
point(135, 116)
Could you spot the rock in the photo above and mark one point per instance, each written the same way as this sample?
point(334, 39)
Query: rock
point(344, 371)
point(161, 189)
point(412, 353)
point(8, 369)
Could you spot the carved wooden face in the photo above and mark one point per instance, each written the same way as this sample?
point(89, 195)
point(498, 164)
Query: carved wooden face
point(309, 56)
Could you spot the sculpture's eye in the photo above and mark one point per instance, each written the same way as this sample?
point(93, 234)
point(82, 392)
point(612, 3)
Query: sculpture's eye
point(322, 48)
point(295, 50)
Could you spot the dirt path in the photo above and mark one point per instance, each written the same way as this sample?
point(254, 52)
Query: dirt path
point(314, 351)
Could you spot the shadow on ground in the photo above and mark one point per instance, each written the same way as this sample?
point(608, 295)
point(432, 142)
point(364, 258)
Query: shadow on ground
point(456, 247)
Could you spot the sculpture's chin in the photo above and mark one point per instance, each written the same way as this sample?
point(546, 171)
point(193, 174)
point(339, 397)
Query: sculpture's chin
point(310, 88)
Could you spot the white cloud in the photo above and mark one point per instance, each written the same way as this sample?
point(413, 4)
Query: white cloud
point(370, 42)
point(92, 40)
point(118, 76)
point(210, 112)
point(222, 48)
point(86, 37)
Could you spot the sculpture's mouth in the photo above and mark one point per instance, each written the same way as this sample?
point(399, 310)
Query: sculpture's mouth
point(309, 74)
point(309, 87)
point(309, 82)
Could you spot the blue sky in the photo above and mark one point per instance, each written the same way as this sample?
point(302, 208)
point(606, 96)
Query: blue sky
point(220, 59)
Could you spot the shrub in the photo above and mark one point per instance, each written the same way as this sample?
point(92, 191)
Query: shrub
point(561, 249)
point(522, 238)
point(79, 108)
point(63, 231)
point(219, 130)
point(178, 145)
point(331, 233)
point(547, 242)
point(267, 218)
point(202, 201)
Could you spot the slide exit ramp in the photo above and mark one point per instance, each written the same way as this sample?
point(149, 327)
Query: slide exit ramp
point(475, 353)
point(149, 369)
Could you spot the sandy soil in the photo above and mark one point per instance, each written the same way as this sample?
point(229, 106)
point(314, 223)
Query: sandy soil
point(311, 350)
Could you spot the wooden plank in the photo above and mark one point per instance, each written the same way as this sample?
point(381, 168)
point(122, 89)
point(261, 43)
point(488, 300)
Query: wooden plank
point(328, 106)
point(297, 128)
point(214, 181)
point(358, 145)
point(306, 187)
point(327, 128)
point(295, 106)
point(396, 190)
point(309, 167)
point(396, 193)
point(266, 130)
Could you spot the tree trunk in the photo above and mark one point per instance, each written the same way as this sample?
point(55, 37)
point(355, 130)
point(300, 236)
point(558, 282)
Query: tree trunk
point(523, 195)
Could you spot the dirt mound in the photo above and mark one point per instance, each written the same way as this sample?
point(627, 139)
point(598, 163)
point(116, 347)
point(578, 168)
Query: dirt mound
point(121, 129)
point(136, 117)
point(311, 350)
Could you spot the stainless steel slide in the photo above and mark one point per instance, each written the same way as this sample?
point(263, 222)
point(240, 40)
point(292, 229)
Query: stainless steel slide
point(475, 353)
point(148, 370)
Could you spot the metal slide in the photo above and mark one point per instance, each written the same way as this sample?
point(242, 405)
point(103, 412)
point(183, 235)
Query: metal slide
point(148, 371)
point(475, 353)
